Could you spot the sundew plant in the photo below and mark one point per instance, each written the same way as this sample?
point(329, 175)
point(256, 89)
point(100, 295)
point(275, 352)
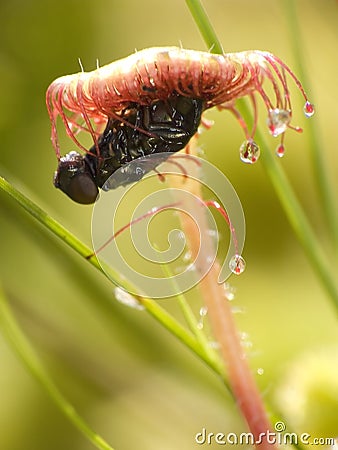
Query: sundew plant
point(89, 358)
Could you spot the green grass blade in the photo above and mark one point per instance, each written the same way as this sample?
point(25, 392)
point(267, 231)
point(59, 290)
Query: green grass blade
point(281, 184)
point(151, 306)
point(319, 163)
point(299, 222)
point(202, 20)
point(27, 355)
point(196, 330)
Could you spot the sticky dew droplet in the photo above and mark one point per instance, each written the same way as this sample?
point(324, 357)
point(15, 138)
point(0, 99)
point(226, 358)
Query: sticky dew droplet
point(278, 121)
point(309, 109)
point(214, 344)
point(180, 235)
point(260, 371)
point(237, 310)
point(191, 267)
point(230, 291)
point(247, 345)
point(213, 233)
point(178, 269)
point(187, 256)
point(237, 264)
point(249, 152)
point(280, 151)
point(244, 335)
point(203, 313)
point(126, 299)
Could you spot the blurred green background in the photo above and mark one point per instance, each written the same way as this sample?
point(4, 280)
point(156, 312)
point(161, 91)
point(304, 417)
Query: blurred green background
point(133, 382)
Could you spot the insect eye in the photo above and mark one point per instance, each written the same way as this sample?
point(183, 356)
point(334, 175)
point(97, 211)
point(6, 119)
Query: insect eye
point(75, 179)
point(82, 189)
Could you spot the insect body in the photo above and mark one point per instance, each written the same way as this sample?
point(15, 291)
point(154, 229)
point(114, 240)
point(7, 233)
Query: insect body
point(162, 127)
point(133, 91)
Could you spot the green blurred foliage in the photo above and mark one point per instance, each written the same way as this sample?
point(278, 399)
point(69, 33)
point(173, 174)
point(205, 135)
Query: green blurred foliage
point(135, 384)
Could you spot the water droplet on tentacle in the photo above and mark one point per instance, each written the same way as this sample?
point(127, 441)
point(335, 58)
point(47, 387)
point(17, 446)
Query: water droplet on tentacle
point(237, 264)
point(249, 152)
point(278, 121)
point(309, 109)
point(280, 151)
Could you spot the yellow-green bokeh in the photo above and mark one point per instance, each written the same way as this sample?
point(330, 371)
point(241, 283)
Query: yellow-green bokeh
point(134, 383)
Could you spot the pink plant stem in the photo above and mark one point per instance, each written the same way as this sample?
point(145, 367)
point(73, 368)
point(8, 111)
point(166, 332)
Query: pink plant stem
point(240, 377)
point(223, 325)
